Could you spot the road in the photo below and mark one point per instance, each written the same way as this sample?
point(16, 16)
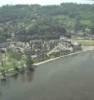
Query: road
point(69, 78)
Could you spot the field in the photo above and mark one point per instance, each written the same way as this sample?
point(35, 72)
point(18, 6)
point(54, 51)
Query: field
point(86, 42)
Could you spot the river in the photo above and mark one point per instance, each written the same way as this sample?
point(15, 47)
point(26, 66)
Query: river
point(69, 78)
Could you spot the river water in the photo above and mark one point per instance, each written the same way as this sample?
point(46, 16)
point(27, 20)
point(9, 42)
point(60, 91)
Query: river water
point(69, 78)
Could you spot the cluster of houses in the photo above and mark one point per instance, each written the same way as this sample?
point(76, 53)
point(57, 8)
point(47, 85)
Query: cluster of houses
point(43, 49)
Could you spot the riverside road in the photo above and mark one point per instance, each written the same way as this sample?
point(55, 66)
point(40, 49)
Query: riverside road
point(69, 78)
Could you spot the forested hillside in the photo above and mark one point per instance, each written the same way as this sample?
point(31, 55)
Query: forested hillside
point(35, 21)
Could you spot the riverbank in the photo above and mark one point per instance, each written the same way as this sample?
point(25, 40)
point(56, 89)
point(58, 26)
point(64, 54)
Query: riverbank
point(46, 61)
point(85, 49)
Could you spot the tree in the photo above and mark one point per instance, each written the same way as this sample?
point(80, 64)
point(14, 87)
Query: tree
point(29, 21)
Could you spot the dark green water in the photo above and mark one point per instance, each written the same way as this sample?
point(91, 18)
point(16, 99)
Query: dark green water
point(69, 78)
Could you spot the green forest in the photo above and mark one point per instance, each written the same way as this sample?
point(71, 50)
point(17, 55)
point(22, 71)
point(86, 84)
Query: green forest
point(47, 22)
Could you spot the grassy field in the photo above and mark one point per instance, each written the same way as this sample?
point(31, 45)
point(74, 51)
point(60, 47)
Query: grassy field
point(11, 62)
point(86, 42)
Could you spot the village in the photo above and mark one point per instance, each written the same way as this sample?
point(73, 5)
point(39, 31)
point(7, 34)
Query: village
point(40, 50)
point(15, 55)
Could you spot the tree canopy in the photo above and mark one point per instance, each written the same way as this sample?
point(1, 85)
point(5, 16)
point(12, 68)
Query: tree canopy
point(36, 21)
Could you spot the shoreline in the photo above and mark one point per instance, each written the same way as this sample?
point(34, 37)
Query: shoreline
point(52, 59)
